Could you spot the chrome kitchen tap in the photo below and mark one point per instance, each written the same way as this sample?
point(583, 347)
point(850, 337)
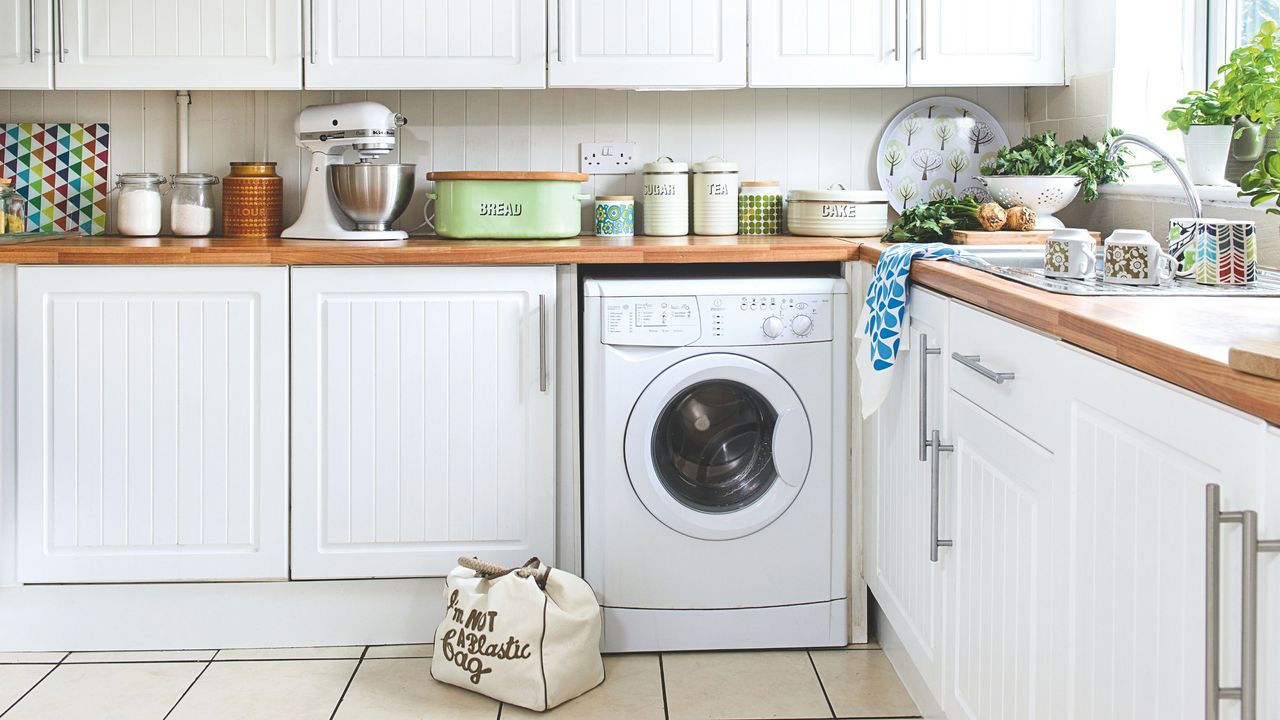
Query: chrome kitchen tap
point(1187, 188)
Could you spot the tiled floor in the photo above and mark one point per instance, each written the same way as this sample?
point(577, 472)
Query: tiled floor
point(392, 682)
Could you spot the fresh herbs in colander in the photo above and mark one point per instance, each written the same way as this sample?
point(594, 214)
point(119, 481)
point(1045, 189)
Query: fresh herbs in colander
point(1043, 155)
point(934, 221)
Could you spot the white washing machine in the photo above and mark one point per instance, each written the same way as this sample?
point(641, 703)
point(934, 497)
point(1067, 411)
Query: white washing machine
point(715, 505)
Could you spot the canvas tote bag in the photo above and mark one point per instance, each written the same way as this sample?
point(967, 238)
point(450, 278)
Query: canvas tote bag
point(528, 636)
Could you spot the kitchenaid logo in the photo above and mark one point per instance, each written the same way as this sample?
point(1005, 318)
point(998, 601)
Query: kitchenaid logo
point(839, 211)
point(653, 189)
point(496, 209)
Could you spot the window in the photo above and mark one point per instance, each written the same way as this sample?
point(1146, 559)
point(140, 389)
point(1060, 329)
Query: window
point(1232, 23)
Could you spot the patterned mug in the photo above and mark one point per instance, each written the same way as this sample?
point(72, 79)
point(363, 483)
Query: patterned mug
point(615, 216)
point(1133, 257)
point(760, 208)
point(1070, 253)
point(1226, 252)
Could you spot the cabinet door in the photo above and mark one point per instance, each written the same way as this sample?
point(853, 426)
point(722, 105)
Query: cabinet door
point(655, 44)
point(1003, 563)
point(909, 586)
point(206, 45)
point(455, 44)
point(1142, 453)
point(26, 52)
point(423, 419)
point(152, 423)
point(828, 43)
point(1000, 42)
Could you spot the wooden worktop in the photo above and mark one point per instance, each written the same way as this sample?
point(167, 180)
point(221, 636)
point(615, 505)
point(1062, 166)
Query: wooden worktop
point(1182, 340)
point(586, 250)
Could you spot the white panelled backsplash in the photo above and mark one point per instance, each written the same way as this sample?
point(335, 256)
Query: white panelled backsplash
point(803, 138)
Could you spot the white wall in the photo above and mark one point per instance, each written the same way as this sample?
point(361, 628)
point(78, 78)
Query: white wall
point(803, 138)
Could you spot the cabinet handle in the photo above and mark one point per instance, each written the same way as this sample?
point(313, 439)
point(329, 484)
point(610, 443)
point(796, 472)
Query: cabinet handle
point(934, 541)
point(974, 363)
point(922, 23)
point(559, 32)
point(926, 351)
point(311, 31)
point(62, 41)
point(897, 30)
point(31, 15)
point(542, 343)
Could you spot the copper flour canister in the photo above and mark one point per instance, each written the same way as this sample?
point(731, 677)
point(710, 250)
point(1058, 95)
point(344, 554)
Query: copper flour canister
point(251, 200)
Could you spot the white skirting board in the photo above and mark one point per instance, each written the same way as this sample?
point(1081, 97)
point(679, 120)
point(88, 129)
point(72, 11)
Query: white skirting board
point(220, 615)
point(928, 705)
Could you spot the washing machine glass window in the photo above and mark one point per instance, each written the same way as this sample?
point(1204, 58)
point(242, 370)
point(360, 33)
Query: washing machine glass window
point(712, 446)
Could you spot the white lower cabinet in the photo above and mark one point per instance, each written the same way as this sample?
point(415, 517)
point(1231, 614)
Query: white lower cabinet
point(423, 418)
point(152, 423)
point(1075, 495)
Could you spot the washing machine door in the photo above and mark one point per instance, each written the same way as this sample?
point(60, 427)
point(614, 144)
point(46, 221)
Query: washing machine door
point(718, 446)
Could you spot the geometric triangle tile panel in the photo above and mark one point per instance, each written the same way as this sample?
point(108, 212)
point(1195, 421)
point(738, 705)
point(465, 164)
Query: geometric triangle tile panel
point(46, 162)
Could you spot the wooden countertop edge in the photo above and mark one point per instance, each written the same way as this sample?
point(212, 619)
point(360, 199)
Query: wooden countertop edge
point(1043, 311)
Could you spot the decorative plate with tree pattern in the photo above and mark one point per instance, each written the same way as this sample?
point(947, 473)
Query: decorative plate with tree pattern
point(933, 149)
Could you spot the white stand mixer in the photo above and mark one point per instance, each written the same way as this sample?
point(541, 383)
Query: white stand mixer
point(365, 203)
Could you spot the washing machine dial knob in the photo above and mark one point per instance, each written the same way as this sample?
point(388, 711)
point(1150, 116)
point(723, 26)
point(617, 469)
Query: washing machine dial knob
point(802, 325)
point(772, 326)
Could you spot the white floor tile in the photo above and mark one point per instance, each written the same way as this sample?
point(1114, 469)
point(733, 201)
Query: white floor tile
point(402, 689)
point(732, 685)
point(127, 691)
point(303, 653)
point(266, 690)
point(31, 657)
point(140, 656)
point(632, 689)
point(862, 683)
point(17, 679)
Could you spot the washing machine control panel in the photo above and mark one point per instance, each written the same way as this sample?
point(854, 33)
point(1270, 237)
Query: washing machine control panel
point(713, 320)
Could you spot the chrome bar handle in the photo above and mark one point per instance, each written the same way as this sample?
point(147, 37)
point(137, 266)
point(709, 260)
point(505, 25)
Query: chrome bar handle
point(542, 343)
point(62, 41)
point(925, 352)
point(934, 541)
point(31, 16)
point(1212, 596)
point(974, 363)
point(922, 24)
point(1249, 616)
point(311, 31)
point(897, 30)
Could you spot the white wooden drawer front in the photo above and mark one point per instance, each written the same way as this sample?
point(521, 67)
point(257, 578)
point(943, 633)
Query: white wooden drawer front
point(1024, 400)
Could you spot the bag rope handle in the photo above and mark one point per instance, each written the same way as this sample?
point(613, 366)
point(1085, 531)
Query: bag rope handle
point(532, 568)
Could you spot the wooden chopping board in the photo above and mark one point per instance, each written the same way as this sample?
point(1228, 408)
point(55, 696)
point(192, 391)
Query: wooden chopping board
point(1007, 237)
point(1256, 358)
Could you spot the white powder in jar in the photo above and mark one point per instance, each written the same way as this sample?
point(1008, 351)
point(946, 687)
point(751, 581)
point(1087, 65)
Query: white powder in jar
point(138, 213)
point(190, 219)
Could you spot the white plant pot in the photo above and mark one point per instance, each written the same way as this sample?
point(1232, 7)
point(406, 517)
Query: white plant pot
point(1207, 147)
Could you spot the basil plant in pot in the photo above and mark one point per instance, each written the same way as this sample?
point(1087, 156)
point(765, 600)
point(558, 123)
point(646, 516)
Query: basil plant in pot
point(1251, 82)
point(1206, 120)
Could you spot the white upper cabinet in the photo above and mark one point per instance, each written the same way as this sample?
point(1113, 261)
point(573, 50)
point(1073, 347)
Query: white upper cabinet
point(152, 424)
point(26, 46)
point(995, 42)
point(828, 43)
point(653, 44)
point(179, 44)
point(415, 44)
point(423, 419)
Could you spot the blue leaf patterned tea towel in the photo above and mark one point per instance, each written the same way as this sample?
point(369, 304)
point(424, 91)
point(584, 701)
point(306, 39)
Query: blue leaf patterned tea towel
point(882, 327)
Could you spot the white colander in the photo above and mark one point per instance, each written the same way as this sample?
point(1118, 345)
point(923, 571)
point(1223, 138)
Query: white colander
point(1045, 194)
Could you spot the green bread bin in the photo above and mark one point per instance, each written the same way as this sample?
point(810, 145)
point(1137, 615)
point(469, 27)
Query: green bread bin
point(507, 205)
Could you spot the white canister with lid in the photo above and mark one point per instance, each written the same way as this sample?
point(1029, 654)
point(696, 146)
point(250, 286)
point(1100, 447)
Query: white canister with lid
point(666, 197)
point(836, 212)
point(191, 204)
point(138, 204)
point(715, 197)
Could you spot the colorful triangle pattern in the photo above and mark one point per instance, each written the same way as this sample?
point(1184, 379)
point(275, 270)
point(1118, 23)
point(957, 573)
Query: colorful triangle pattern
point(61, 171)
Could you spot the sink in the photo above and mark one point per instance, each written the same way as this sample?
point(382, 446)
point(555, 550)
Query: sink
point(1025, 264)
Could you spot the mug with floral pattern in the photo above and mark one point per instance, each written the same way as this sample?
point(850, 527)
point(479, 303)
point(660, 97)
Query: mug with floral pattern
point(615, 216)
point(1133, 257)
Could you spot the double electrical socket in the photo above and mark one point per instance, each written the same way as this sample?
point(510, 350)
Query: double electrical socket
point(609, 158)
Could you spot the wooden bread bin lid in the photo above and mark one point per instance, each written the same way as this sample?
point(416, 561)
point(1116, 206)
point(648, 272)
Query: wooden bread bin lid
point(505, 175)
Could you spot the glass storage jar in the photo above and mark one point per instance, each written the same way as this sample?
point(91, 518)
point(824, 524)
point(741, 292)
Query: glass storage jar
point(13, 209)
point(138, 203)
point(191, 204)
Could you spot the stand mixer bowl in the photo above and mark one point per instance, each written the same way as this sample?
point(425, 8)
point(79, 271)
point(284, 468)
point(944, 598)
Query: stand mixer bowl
point(373, 196)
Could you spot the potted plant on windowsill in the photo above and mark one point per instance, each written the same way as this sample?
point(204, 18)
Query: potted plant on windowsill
point(1251, 84)
point(1205, 119)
